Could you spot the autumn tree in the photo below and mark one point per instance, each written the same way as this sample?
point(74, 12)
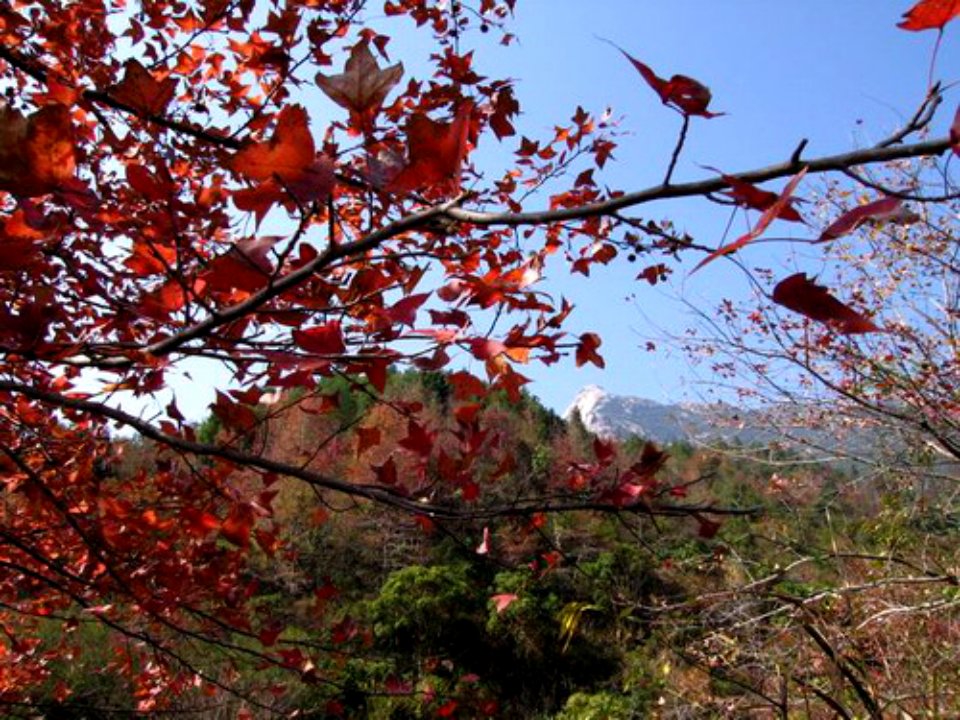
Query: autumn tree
point(169, 195)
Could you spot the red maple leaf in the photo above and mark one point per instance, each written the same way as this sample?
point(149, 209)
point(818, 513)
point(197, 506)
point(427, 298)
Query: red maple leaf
point(387, 472)
point(435, 152)
point(404, 312)
point(326, 339)
point(141, 91)
point(688, 96)
point(37, 153)
point(466, 386)
point(418, 439)
point(285, 166)
point(148, 184)
point(366, 439)
point(930, 14)
point(587, 350)
point(750, 196)
point(802, 295)
point(237, 525)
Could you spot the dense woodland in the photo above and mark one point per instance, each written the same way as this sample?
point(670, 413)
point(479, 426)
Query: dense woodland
point(833, 591)
point(376, 520)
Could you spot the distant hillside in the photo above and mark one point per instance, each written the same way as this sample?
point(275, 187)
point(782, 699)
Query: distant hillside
point(620, 416)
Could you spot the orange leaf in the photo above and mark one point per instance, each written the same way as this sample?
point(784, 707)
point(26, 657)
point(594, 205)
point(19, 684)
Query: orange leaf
point(287, 154)
point(802, 295)
point(141, 91)
point(236, 528)
point(285, 165)
point(362, 86)
point(930, 14)
point(36, 152)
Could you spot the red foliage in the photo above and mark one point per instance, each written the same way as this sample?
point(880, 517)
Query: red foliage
point(683, 93)
point(886, 209)
point(804, 296)
point(930, 14)
point(773, 211)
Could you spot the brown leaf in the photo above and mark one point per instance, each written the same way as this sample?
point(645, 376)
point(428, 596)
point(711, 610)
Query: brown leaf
point(362, 86)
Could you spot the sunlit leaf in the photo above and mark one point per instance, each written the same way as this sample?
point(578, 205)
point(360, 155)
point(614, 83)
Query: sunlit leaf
point(930, 15)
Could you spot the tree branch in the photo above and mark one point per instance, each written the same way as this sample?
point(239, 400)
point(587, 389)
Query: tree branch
point(374, 493)
point(829, 163)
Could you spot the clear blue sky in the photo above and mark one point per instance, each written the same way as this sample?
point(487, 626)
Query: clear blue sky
point(838, 72)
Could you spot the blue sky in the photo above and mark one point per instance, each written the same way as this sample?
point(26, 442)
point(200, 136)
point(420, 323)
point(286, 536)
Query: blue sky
point(837, 72)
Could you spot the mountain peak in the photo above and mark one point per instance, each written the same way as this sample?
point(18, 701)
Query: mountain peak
point(610, 415)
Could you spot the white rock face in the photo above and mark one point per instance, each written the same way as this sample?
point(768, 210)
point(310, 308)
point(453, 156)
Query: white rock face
point(621, 416)
point(588, 403)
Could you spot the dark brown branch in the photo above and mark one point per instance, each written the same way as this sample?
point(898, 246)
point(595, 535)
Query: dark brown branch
point(373, 493)
point(277, 287)
point(921, 118)
point(677, 149)
point(41, 74)
point(866, 697)
point(828, 163)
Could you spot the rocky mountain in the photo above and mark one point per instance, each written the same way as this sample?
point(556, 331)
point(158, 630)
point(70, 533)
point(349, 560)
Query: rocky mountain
point(621, 416)
point(810, 430)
